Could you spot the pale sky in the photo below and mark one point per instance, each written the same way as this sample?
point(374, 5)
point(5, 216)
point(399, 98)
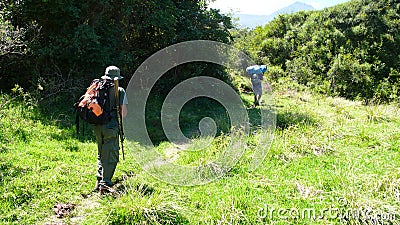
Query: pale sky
point(266, 7)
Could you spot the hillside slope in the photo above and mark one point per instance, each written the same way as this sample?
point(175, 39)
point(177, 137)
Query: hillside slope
point(350, 50)
point(328, 154)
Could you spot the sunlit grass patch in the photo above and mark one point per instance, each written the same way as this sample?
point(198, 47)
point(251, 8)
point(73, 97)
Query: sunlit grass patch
point(326, 151)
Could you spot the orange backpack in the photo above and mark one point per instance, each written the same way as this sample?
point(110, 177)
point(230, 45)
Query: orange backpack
point(94, 106)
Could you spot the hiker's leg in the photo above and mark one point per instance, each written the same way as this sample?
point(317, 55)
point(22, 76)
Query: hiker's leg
point(110, 166)
point(109, 169)
point(99, 140)
point(110, 157)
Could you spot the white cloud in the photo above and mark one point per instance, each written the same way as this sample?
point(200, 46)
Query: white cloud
point(265, 7)
point(316, 5)
point(255, 7)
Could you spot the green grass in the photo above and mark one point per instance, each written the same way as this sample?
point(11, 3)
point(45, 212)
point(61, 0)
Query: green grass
point(328, 153)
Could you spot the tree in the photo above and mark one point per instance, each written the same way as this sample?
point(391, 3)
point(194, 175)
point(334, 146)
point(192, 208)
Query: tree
point(78, 39)
point(13, 49)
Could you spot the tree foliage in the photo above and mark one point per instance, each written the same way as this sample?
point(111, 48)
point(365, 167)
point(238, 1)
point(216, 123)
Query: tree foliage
point(353, 48)
point(75, 40)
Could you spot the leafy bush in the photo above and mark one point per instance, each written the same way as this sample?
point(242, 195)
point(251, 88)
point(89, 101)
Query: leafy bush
point(350, 78)
point(350, 50)
point(275, 72)
point(386, 92)
point(78, 39)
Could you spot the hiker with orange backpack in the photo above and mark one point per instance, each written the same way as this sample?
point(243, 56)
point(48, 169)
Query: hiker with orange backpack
point(107, 135)
point(103, 107)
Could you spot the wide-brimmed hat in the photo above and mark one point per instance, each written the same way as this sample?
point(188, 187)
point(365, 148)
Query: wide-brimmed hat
point(111, 73)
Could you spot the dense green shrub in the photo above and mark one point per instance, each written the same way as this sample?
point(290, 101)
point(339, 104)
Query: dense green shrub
point(75, 40)
point(350, 50)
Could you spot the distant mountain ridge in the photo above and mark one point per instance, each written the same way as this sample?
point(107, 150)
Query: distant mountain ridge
point(251, 21)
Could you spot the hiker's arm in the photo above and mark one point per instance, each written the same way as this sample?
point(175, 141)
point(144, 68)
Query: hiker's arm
point(124, 110)
point(123, 102)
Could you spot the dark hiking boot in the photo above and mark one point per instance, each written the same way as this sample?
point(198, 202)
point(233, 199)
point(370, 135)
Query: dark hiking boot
point(104, 189)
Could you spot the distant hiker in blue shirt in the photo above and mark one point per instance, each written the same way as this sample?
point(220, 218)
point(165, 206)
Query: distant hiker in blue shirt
point(256, 73)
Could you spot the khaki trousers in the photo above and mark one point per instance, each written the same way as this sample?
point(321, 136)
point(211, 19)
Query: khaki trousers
point(107, 152)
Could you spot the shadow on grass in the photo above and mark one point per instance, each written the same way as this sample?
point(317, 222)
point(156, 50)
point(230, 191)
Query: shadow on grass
point(189, 118)
point(189, 122)
point(62, 115)
point(287, 119)
point(254, 117)
point(283, 119)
